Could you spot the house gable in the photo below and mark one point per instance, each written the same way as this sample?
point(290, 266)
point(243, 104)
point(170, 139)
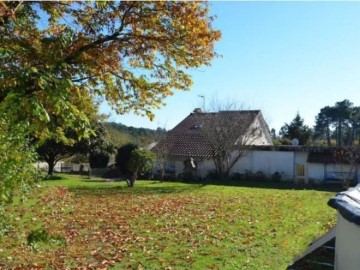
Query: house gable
point(262, 136)
point(190, 137)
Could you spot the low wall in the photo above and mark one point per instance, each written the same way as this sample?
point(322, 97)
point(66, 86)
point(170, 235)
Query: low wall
point(267, 162)
point(64, 167)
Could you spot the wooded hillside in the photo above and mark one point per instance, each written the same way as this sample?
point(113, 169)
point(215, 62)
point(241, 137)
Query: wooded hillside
point(120, 134)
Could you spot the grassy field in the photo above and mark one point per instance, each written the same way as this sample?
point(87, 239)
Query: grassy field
point(77, 222)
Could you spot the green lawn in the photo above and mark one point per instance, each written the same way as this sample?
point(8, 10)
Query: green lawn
point(98, 224)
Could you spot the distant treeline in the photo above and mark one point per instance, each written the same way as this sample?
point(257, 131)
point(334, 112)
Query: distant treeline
point(120, 134)
point(336, 125)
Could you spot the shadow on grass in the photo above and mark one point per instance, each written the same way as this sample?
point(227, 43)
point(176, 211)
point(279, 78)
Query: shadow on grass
point(137, 190)
point(156, 187)
point(96, 181)
point(53, 178)
point(276, 185)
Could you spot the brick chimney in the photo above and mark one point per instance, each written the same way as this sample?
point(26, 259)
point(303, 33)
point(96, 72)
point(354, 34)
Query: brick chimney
point(197, 110)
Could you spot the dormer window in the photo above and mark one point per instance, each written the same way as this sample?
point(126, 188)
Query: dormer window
point(195, 126)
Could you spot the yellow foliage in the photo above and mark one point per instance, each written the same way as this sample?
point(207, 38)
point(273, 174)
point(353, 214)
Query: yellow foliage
point(132, 53)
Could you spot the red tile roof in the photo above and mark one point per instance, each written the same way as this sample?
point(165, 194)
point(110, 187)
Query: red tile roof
point(188, 138)
point(334, 155)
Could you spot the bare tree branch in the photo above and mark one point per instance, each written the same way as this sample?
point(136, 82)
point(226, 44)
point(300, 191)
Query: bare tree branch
point(228, 132)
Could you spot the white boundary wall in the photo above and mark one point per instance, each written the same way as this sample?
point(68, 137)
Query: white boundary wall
point(269, 162)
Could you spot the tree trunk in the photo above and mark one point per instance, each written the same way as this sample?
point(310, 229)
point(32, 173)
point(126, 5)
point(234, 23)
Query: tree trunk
point(221, 170)
point(162, 173)
point(340, 133)
point(51, 164)
point(133, 178)
point(352, 137)
point(328, 139)
point(217, 166)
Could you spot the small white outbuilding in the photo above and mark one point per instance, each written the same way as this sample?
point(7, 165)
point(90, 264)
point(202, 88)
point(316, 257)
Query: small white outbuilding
point(347, 251)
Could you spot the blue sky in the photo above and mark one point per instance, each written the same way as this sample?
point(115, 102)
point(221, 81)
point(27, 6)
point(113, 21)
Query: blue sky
point(279, 57)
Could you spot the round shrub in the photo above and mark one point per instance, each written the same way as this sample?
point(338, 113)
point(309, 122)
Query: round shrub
point(123, 156)
point(99, 160)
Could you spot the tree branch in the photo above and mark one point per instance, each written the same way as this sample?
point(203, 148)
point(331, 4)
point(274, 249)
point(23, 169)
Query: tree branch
point(69, 59)
point(83, 79)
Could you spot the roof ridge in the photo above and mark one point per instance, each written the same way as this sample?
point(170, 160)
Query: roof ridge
point(248, 110)
point(240, 111)
point(227, 111)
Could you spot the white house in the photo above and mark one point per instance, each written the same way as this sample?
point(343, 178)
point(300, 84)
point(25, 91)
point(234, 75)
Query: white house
point(189, 141)
point(186, 148)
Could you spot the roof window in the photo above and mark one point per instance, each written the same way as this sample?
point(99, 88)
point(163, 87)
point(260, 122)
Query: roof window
point(195, 126)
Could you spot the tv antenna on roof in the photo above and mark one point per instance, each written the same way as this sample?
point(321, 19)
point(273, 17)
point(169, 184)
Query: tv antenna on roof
point(203, 98)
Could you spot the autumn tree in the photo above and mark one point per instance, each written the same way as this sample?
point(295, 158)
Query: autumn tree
point(59, 58)
point(296, 129)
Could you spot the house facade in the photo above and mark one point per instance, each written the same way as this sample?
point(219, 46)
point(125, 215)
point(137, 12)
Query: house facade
point(294, 164)
point(189, 146)
point(187, 149)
